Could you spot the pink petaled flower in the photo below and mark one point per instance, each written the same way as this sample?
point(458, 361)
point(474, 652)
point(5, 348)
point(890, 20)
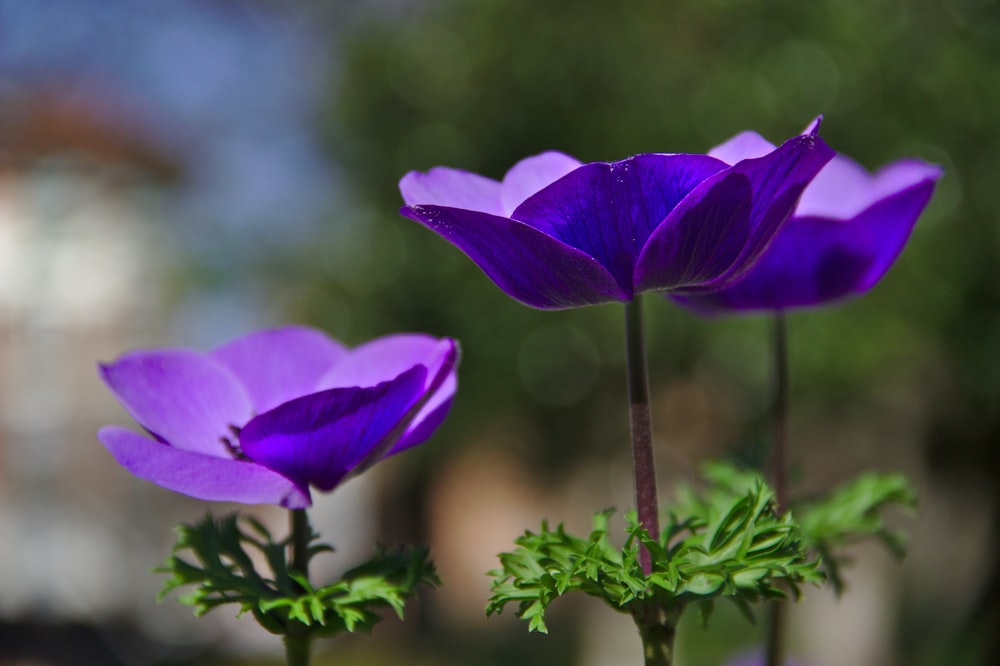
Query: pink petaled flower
point(261, 419)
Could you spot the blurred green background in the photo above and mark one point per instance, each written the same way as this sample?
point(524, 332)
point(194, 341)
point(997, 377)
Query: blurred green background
point(906, 378)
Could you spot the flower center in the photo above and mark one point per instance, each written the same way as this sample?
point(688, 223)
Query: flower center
point(232, 443)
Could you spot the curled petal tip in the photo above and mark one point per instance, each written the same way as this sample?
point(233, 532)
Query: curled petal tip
point(813, 127)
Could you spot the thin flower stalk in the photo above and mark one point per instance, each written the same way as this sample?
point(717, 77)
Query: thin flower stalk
point(779, 472)
point(643, 463)
point(298, 641)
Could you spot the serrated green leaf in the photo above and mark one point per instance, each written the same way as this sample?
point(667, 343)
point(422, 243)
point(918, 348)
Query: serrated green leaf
point(227, 576)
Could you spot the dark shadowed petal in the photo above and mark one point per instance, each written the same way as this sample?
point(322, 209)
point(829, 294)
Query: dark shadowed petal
point(728, 246)
point(528, 265)
point(319, 439)
point(442, 186)
point(532, 174)
point(185, 398)
point(609, 210)
point(709, 233)
point(818, 260)
point(201, 476)
point(277, 365)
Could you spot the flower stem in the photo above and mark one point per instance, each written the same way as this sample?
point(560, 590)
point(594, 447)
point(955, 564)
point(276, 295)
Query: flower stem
point(297, 640)
point(643, 468)
point(778, 472)
point(778, 452)
point(658, 630)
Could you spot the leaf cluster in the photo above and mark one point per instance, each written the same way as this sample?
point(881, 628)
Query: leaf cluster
point(224, 572)
point(723, 544)
point(852, 513)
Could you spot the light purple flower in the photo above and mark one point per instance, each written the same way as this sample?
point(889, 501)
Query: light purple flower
point(846, 232)
point(261, 419)
point(555, 233)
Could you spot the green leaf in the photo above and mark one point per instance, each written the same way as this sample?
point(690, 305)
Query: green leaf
point(227, 575)
point(723, 542)
point(854, 512)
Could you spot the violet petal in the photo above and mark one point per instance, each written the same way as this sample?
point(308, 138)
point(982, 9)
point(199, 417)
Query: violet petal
point(386, 358)
point(181, 396)
point(844, 188)
point(277, 365)
point(608, 210)
point(319, 439)
point(528, 265)
point(776, 181)
point(531, 175)
point(201, 476)
point(444, 186)
point(744, 146)
point(818, 260)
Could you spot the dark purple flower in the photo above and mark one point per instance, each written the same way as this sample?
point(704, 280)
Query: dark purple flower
point(264, 417)
point(556, 233)
point(846, 232)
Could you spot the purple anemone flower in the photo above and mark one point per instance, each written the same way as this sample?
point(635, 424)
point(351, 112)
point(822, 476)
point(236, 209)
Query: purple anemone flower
point(847, 230)
point(261, 419)
point(555, 233)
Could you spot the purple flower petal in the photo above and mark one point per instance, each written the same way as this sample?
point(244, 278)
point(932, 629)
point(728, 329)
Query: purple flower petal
point(817, 260)
point(743, 146)
point(443, 186)
point(608, 210)
point(439, 390)
point(749, 145)
point(277, 365)
point(844, 188)
point(717, 232)
point(528, 265)
point(388, 357)
point(201, 476)
point(531, 175)
point(320, 439)
point(182, 397)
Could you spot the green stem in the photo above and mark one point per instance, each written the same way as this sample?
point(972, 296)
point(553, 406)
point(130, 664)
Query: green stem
point(643, 467)
point(658, 630)
point(298, 640)
point(778, 473)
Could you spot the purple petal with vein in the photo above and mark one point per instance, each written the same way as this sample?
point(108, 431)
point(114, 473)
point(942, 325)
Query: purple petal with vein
point(182, 397)
point(319, 439)
point(386, 358)
point(609, 210)
point(201, 476)
point(277, 365)
point(818, 260)
point(530, 266)
point(718, 231)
